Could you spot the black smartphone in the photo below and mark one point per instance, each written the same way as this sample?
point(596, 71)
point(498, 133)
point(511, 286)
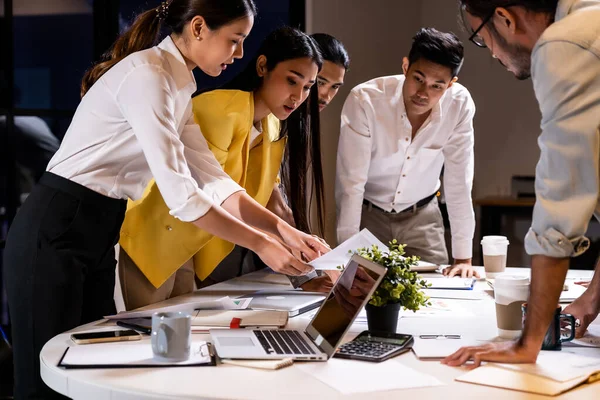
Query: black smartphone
point(105, 336)
point(375, 346)
point(142, 325)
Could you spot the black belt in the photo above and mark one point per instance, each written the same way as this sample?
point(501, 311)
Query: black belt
point(412, 208)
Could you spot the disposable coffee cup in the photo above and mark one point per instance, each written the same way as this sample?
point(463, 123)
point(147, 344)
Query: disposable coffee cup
point(494, 249)
point(510, 292)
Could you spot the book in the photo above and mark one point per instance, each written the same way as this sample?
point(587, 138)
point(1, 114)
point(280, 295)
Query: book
point(247, 318)
point(261, 364)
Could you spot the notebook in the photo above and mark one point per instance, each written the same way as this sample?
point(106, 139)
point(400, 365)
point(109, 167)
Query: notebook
point(495, 376)
point(136, 354)
point(553, 373)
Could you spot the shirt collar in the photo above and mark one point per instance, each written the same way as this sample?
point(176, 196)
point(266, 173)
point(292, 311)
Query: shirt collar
point(566, 7)
point(181, 74)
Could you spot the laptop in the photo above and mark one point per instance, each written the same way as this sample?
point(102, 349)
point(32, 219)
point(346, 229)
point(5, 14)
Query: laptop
point(325, 331)
point(294, 302)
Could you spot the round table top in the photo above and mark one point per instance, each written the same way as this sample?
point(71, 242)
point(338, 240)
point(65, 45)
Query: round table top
point(233, 382)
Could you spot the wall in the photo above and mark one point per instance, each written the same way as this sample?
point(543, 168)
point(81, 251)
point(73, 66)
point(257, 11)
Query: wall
point(378, 34)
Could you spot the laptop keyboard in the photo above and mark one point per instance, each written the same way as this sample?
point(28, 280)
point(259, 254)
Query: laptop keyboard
point(283, 342)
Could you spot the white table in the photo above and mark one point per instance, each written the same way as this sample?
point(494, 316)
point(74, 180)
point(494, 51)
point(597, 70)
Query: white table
point(231, 382)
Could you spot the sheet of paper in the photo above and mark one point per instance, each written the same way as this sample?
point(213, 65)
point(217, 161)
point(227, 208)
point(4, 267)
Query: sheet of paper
point(590, 339)
point(343, 252)
point(573, 292)
point(454, 294)
point(559, 366)
point(340, 255)
point(451, 283)
point(439, 348)
point(351, 376)
point(224, 303)
point(130, 353)
point(438, 308)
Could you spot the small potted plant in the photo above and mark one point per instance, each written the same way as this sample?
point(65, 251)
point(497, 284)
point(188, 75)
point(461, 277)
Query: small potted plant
point(400, 288)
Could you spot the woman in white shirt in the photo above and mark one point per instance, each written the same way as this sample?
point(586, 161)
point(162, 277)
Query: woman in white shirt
point(132, 124)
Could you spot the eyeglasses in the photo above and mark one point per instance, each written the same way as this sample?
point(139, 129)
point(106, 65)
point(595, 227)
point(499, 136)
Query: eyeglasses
point(475, 37)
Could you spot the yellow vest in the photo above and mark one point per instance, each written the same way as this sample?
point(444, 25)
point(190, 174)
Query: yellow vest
point(159, 243)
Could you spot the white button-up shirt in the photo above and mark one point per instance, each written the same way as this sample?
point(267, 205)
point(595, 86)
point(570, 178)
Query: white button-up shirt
point(379, 161)
point(136, 123)
point(565, 68)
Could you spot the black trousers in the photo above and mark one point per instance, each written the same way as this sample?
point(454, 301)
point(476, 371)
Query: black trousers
point(59, 270)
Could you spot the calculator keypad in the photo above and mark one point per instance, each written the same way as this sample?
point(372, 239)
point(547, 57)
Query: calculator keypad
point(369, 349)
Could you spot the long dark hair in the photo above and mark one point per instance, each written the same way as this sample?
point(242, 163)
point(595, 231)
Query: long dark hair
point(302, 154)
point(175, 14)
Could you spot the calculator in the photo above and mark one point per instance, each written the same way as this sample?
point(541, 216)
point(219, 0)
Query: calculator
point(375, 346)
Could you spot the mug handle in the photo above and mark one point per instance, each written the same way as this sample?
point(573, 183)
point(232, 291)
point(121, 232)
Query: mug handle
point(162, 343)
point(572, 322)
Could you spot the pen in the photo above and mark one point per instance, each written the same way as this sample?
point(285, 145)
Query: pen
point(135, 327)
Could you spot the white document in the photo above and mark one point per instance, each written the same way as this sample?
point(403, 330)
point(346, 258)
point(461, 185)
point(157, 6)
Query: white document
point(224, 303)
point(451, 283)
point(573, 292)
point(137, 353)
point(559, 366)
point(351, 376)
point(343, 252)
point(454, 294)
point(340, 255)
point(433, 349)
point(438, 308)
point(591, 338)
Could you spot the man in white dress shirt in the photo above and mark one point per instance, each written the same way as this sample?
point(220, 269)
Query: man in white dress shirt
point(397, 133)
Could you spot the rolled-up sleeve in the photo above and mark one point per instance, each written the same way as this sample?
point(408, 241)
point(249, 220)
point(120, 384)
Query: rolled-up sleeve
point(146, 101)
point(458, 182)
point(353, 161)
point(567, 86)
point(204, 166)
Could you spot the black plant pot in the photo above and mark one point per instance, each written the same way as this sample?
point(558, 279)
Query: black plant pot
point(384, 318)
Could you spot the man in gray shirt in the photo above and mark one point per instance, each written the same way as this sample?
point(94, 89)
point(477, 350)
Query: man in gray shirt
point(557, 43)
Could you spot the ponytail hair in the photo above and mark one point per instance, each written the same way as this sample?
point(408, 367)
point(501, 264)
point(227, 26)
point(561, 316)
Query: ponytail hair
point(175, 14)
point(302, 155)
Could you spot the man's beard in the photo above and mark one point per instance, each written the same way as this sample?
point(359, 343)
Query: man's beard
point(520, 57)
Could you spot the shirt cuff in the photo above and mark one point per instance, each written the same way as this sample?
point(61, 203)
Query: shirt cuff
point(462, 249)
point(195, 207)
point(298, 281)
point(220, 189)
point(552, 243)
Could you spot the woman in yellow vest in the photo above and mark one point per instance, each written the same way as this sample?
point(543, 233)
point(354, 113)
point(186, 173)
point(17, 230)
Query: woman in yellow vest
point(241, 123)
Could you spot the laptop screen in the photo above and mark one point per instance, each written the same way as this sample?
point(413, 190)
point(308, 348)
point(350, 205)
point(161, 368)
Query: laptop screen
point(349, 295)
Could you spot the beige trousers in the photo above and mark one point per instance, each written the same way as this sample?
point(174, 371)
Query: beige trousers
point(139, 292)
point(422, 231)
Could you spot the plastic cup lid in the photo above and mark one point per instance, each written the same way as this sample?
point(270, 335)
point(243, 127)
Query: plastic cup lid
point(504, 279)
point(495, 240)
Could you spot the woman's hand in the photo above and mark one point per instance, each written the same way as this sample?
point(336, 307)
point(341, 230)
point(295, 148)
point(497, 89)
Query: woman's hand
point(276, 256)
point(309, 246)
